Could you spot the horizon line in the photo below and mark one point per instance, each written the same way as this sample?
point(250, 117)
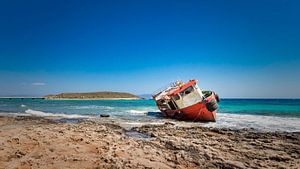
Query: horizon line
point(37, 97)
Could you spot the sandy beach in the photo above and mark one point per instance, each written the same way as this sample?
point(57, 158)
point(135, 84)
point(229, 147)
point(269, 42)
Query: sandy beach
point(34, 142)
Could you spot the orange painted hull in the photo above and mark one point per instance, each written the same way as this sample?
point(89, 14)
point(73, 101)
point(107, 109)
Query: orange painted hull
point(196, 112)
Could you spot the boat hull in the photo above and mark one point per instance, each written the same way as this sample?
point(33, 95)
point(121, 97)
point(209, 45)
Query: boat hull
point(195, 112)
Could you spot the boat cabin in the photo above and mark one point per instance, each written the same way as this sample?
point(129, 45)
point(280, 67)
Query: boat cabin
point(179, 96)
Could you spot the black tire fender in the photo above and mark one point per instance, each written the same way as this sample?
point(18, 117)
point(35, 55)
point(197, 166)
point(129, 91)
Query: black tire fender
point(211, 106)
point(217, 97)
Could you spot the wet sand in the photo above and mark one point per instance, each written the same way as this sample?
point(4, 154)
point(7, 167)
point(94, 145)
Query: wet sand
point(33, 142)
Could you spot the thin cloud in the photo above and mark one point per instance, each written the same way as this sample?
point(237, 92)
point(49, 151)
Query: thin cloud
point(38, 84)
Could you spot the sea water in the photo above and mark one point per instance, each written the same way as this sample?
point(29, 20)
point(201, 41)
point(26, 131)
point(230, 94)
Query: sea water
point(260, 114)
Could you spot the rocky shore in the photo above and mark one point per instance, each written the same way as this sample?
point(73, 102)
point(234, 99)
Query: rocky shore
point(33, 142)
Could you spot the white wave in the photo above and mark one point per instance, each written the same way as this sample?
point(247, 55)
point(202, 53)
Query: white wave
point(264, 123)
point(44, 114)
point(141, 110)
point(137, 111)
point(23, 105)
point(91, 107)
point(13, 114)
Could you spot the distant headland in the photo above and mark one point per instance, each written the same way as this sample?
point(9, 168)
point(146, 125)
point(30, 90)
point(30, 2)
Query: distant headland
point(94, 96)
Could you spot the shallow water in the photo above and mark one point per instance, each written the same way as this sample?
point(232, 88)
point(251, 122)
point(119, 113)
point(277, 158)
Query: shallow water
point(261, 114)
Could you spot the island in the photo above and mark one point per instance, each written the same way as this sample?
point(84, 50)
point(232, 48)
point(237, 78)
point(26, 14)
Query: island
point(105, 95)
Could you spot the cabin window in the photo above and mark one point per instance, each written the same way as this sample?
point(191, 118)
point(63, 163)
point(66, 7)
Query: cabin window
point(176, 97)
point(172, 105)
point(187, 91)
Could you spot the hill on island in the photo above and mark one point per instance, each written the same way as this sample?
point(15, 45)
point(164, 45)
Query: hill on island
point(94, 95)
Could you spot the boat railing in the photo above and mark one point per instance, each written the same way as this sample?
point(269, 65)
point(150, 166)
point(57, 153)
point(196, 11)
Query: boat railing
point(165, 88)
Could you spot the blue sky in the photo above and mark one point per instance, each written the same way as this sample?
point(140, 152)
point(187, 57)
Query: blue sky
point(237, 48)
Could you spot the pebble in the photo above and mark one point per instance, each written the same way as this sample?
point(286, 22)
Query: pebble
point(236, 164)
point(104, 115)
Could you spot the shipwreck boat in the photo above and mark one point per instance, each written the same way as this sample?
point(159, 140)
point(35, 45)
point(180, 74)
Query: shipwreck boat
point(186, 101)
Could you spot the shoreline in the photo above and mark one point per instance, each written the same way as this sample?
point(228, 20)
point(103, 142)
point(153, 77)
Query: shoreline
point(232, 121)
point(40, 142)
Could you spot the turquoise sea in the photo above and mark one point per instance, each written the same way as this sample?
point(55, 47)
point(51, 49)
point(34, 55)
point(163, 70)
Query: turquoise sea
point(261, 114)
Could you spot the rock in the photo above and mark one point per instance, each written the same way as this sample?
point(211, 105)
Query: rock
point(104, 115)
point(19, 154)
point(169, 123)
point(75, 159)
point(174, 145)
point(236, 164)
point(280, 158)
point(16, 140)
point(207, 156)
point(152, 134)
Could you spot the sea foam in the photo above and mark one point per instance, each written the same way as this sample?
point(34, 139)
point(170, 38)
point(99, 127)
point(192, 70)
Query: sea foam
point(44, 114)
point(260, 122)
point(137, 111)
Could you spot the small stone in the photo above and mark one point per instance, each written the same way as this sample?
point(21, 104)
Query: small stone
point(279, 158)
point(236, 164)
point(207, 156)
point(104, 115)
point(152, 135)
point(19, 154)
point(16, 140)
point(169, 123)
